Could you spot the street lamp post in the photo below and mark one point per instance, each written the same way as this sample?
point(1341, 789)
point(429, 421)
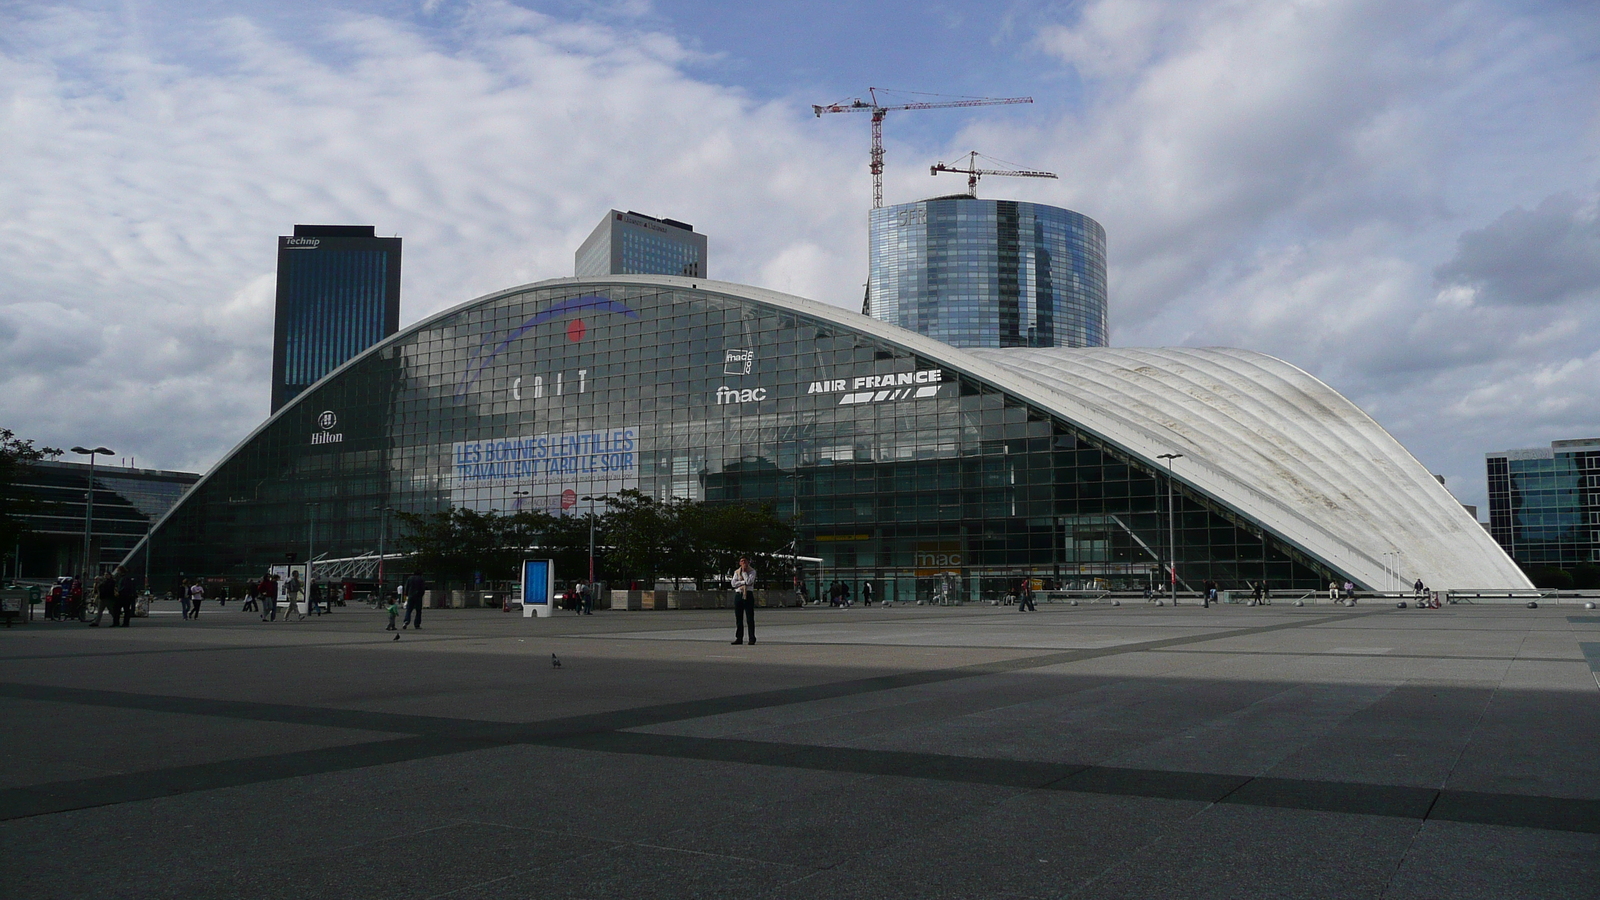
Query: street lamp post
point(591, 500)
point(383, 532)
point(1172, 530)
point(88, 510)
point(311, 544)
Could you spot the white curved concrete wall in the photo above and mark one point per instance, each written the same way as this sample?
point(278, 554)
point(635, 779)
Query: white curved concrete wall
point(1278, 445)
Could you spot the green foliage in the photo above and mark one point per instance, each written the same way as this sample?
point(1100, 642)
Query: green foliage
point(1550, 577)
point(16, 456)
point(649, 540)
point(1585, 576)
point(636, 539)
point(453, 544)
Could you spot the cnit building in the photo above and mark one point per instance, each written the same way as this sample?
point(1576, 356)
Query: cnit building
point(900, 458)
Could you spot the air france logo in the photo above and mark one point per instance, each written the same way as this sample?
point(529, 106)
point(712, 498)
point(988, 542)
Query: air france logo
point(917, 385)
point(738, 362)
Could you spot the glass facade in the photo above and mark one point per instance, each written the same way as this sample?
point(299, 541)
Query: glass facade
point(989, 273)
point(126, 502)
point(1544, 503)
point(338, 294)
point(894, 466)
point(636, 244)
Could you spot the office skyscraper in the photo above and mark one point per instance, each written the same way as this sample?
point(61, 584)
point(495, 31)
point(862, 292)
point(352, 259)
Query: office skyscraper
point(630, 243)
point(338, 294)
point(989, 273)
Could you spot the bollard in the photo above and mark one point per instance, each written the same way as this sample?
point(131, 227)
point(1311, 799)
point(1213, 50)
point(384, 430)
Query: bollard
point(1533, 604)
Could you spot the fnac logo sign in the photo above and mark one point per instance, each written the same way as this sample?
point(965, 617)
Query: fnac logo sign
point(938, 557)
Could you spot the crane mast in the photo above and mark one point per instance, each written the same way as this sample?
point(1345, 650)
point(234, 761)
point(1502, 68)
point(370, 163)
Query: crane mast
point(879, 111)
point(973, 172)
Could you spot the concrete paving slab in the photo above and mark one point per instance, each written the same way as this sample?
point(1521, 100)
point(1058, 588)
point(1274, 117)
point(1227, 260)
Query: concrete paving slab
point(917, 752)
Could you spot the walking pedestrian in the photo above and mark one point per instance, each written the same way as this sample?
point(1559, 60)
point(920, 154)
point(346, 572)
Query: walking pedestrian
point(866, 594)
point(197, 592)
point(1025, 596)
point(394, 614)
point(250, 604)
point(183, 597)
point(127, 596)
point(269, 597)
point(588, 598)
point(105, 594)
point(414, 588)
point(292, 590)
point(744, 601)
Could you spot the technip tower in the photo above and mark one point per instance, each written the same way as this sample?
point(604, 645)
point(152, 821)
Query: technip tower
point(989, 273)
point(338, 294)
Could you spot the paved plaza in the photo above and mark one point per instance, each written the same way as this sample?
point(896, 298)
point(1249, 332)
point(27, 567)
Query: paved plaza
point(915, 752)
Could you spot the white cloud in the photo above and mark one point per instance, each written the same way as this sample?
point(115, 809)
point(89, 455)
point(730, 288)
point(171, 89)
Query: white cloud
point(136, 266)
point(1397, 197)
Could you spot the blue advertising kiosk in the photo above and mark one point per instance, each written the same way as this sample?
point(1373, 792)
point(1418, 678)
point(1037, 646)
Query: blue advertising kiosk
point(538, 587)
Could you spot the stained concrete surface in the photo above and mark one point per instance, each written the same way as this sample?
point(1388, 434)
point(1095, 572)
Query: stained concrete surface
point(908, 752)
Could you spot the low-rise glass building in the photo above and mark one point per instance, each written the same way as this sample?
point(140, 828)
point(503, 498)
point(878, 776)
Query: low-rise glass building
point(1544, 503)
point(900, 459)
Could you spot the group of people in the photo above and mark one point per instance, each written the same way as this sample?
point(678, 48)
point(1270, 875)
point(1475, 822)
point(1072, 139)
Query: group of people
point(1022, 596)
point(1345, 592)
point(117, 591)
point(65, 600)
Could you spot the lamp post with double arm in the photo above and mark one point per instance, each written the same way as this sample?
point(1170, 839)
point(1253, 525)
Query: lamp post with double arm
point(88, 512)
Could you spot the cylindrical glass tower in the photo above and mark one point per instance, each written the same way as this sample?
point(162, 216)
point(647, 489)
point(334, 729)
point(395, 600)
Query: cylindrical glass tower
point(989, 273)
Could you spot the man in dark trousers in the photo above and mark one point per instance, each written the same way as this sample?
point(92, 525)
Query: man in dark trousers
point(105, 594)
point(414, 589)
point(127, 598)
point(744, 601)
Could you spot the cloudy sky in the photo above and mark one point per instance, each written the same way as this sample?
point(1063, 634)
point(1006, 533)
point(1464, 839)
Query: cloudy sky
point(1398, 197)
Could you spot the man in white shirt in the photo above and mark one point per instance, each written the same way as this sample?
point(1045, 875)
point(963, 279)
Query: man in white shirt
point(744, 601)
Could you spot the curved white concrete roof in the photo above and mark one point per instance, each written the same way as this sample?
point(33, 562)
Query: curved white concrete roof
point(1264, 438)
point(1277, 445)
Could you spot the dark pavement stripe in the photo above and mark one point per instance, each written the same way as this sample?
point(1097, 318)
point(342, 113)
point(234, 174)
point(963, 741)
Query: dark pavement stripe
point(108, 790)
point(1398, 801)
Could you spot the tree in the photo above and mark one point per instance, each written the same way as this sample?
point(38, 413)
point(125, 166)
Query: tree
point(454, 544)
point(1550, 577)
point(682, 539)
point(16, 455)
point(1585, 576)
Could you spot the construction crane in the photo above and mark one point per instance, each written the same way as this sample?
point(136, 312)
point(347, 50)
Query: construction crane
point(878, 111)
point(973, 172)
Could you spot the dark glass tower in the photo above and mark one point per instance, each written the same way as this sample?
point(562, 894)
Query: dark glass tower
point(338, 294)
